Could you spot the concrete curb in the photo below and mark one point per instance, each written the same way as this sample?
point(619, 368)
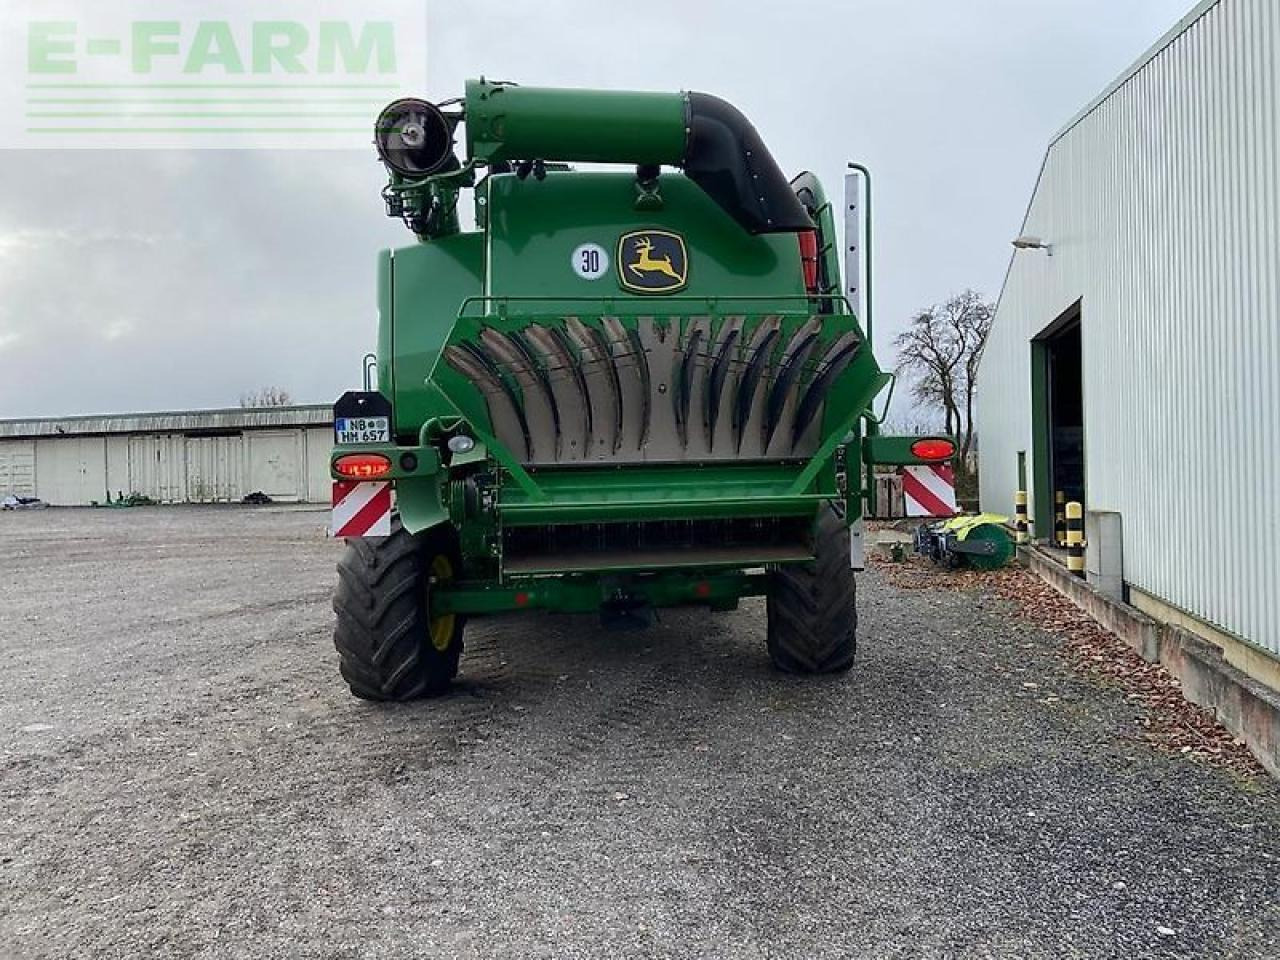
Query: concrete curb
point(1250, 710)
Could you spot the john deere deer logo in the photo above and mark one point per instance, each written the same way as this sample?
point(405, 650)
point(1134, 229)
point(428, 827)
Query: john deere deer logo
point(652, 261)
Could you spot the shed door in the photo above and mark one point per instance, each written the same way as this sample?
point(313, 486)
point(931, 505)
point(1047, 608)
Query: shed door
point(157, 467)
point(71, 470)
point(18, 469)
point(215, 468)
point(275, 463)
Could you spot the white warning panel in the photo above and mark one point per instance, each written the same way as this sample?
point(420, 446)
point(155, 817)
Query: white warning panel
point(361, 508)
point(929, 490)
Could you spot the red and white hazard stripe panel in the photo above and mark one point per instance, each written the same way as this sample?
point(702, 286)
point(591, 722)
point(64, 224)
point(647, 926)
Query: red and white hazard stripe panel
point(361, 508)
point(930, 490)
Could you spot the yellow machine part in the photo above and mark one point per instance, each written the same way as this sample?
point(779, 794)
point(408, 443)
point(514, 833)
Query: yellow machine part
point(962, 526)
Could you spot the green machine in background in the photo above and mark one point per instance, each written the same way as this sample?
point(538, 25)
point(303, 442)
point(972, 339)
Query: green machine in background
point(981, 541)
point(623, 389)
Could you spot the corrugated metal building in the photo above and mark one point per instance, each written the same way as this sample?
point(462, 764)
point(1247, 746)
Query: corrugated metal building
point(199, 456)
point(1135, 360)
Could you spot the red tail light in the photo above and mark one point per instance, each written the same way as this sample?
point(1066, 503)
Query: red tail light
point(933, 449)
point(809, 259)
point(362, 466)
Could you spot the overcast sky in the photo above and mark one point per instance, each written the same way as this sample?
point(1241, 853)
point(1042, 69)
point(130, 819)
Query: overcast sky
point(141, 280)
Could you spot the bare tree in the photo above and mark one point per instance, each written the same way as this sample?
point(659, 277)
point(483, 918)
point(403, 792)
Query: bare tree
point(940, 350)
point(266, 397)
point(914, 424)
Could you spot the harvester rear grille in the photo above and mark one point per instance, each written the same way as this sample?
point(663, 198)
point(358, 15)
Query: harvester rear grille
point(646, 389)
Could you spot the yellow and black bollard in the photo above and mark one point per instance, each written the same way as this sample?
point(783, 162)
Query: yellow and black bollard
point(1060, 518)
point(1075, 538)
point(1020, 516)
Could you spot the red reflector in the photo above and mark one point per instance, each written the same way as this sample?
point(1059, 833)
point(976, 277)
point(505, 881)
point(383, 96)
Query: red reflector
point(362, 466)
point(933, 449)
point(809, 258)
point(703, 589)
point(522, 599)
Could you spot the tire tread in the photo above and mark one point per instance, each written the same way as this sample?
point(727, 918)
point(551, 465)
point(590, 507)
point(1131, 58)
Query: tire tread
point(381, 602)
point(812, 607)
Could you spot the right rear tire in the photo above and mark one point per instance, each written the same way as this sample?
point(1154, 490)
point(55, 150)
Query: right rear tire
point(390, 646)
point(812, 607)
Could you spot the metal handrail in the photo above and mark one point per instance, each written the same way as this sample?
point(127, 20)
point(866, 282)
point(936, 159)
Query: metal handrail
point(867, 325)
point(709, 301)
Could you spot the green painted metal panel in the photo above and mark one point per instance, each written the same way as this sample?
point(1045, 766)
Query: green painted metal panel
point(601, 126)
point(895, 451)
point(429, 282)
point(419, 503)
point(639, 492)
point(425, 459)
point(535, 227)
point(586, 593)
point(386, 327)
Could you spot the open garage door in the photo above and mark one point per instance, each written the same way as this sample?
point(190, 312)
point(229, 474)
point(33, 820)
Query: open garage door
point(1057, 401)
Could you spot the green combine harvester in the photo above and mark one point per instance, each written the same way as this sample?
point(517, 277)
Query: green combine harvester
point(624, 389)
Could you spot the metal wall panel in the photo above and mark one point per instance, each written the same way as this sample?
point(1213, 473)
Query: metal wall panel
point(17, 468)
point(158, 467)
point(275, 463)
point(319, 448)
point(71, 470)
point(118, 479)
point(215, 468)
point(1162, 208)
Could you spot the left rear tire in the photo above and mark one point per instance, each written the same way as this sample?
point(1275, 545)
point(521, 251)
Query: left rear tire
point(390, 645)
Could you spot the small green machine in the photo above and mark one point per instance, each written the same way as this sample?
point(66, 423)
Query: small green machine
point(981, 541)
point(620, 389)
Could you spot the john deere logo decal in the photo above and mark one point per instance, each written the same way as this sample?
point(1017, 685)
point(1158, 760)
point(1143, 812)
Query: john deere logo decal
point(652, 261)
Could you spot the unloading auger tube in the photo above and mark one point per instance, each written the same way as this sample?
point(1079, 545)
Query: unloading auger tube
point(708, 138)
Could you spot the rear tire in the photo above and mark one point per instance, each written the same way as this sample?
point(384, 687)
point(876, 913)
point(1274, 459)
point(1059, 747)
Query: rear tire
point(812, 607)
point(390, 647)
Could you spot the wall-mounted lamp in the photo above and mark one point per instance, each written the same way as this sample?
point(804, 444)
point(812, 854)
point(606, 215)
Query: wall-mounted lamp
point(1033, 243)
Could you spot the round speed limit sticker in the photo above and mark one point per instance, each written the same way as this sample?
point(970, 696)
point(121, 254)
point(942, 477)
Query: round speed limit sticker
point(590, 261)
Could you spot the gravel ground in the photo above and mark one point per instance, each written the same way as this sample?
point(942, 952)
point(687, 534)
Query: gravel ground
point(183, 774)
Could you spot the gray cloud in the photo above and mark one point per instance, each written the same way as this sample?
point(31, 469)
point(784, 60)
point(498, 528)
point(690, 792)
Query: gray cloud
point(143, 280)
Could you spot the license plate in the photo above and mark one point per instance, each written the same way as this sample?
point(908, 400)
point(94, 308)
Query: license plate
point(350, 430)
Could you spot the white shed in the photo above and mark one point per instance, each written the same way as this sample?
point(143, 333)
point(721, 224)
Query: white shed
point(1134, 363)
point(197, 456)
